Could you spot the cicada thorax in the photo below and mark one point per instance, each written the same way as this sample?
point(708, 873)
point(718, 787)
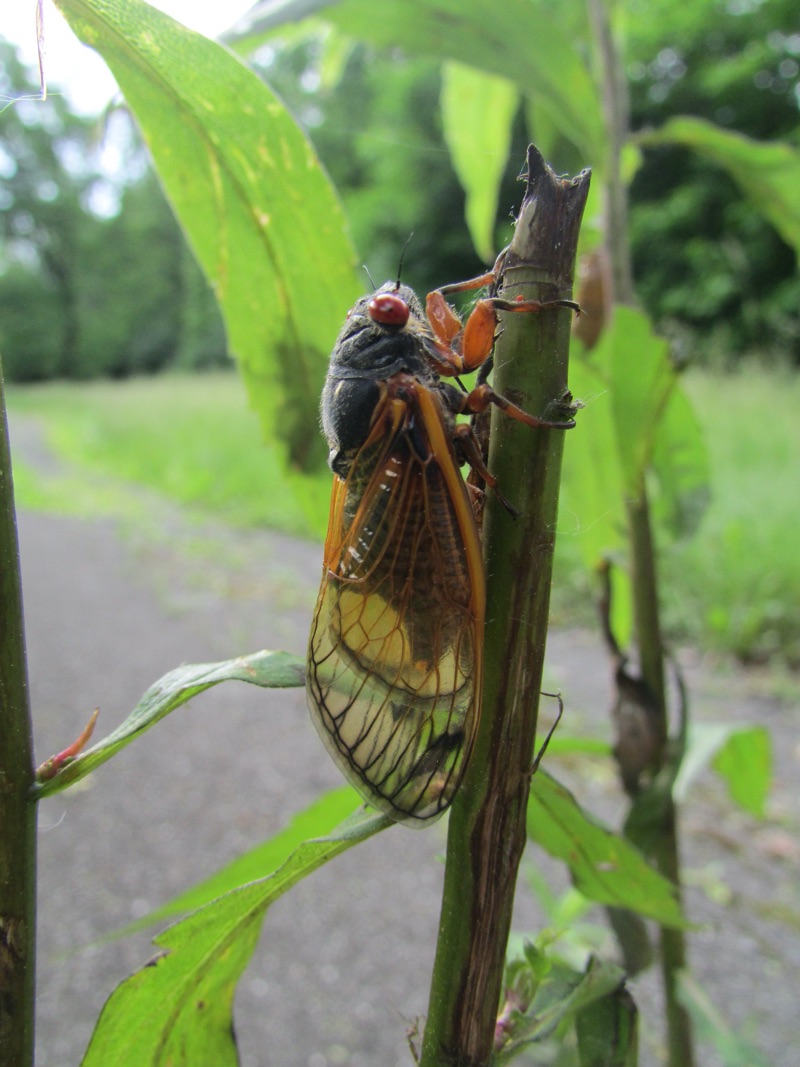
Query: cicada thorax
point(396, 643)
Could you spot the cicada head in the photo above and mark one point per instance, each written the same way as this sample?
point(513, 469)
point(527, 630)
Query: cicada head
point(385, 333)
point(380, 336)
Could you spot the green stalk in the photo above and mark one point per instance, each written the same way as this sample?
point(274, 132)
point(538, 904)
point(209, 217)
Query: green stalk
point(487, 834)
point(642, 548)
point(17, 809)
point(665, 850)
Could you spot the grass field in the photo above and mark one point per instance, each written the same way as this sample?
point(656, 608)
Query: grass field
point(191, 437)
point(734, 587)
point(736, 584)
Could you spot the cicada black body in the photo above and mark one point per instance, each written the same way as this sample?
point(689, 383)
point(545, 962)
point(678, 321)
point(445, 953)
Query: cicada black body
point(395, 651)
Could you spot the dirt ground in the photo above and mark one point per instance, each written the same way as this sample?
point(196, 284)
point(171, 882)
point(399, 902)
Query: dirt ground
point(344, 961)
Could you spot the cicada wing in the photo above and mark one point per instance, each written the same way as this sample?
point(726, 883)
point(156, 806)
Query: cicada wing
point(394, 662)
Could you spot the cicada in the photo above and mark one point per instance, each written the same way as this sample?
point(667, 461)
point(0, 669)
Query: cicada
point(394, 669)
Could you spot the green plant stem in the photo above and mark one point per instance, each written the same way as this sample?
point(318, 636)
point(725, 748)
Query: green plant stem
point(642, 548)
point(616, 111)
point(665, 853)
point(646, 612)
point(673, 950)
point(487, 824)
point(17, 808)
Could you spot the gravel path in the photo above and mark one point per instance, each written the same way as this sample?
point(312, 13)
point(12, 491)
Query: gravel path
point(344, 962)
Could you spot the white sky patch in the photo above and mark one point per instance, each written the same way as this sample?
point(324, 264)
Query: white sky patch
point(78, 71)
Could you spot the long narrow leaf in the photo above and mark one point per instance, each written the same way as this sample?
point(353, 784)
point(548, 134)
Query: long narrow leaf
point(642, 379)
point(525, 41)
point(768, 172)
point(318, 820)
point(477, 113)
point(273, 670)
point(179, 1006)
point(257, 208)
point(605, 867)
point(592, 507)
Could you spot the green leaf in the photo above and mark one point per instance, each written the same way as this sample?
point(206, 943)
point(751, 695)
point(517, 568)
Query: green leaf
point(636, 419)
point(262, 20)
point(621, 604)
point(317, 821)
point(740, 754)
point(648, 812)
point(592, 502)
point(745, 762)
point(532, 45)
point(592, 508)
point(767, 172)
point(560, 745)
point(272, 670)
point(604, 866)
point(593, 226)
point(256, 206)
point(559, 996)
point(732, 1049)
point(680, 462)
point(607, 1031)
point(649, 425)
point(544, 131)
point(641, 379)
point(335, 51)
point(477, 114)
point(179, 1006)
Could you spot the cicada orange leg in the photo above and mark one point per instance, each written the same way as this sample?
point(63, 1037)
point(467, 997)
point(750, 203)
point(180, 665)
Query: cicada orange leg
point(463, 347)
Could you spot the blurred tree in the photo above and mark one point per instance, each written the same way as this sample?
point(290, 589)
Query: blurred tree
point(710, 271)
point(45, 180)
point(31, 345)
point(123, 295)
point(95, 275)
point(137, 284)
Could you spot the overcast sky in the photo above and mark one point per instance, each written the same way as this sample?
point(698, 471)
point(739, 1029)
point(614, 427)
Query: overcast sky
point(79, 71)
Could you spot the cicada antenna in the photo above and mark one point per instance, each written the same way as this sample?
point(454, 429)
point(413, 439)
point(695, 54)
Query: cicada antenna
point(371, 282)
point(400, 264)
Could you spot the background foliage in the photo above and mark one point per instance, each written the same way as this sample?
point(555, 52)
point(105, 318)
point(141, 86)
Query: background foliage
point(96, 279)
point(268, 229)
point(710, 271)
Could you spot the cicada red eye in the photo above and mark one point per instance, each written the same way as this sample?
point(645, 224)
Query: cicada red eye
point(388, 309)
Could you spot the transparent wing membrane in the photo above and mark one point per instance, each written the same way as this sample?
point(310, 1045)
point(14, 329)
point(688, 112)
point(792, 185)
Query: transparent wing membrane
point(395, 647)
